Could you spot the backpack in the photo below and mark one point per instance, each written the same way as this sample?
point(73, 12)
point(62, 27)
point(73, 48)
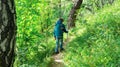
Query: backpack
point(58, 28)
point(58, 25)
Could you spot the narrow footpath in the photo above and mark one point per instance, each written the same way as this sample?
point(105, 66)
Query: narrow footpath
point(58, 58)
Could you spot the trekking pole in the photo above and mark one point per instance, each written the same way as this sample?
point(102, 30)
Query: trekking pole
point(68, 32)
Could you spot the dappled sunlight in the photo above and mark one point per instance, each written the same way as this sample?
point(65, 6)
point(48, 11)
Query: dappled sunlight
point(78, 33)
point(93, 41)
point(97, 43)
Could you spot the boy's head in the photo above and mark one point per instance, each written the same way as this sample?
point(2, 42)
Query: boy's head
point(61, 19)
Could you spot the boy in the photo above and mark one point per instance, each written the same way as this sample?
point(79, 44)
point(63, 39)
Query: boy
point(58, 34)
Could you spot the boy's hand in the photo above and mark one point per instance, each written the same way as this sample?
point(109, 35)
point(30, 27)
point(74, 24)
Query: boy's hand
point(67, 32)
point(55, 38)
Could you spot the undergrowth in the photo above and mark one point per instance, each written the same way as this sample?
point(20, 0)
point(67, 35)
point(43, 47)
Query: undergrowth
point(99, 45)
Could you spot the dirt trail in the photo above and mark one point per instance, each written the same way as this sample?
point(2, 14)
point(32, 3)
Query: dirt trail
point(58, 58)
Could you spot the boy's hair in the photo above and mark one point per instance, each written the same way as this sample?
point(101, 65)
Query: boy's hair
point(61, 19)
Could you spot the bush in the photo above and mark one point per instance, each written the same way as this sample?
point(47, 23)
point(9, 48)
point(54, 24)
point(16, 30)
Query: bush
point(99, 46)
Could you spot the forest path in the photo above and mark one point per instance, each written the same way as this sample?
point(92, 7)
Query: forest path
point(58, 58)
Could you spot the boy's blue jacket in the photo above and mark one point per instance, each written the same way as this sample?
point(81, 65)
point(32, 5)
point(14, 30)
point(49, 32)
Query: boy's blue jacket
point(59, 29)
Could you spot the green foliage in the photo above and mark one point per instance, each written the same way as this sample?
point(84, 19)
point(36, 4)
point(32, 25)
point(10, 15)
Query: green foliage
point(31, 44)
point(99, 45)
point(97, 33)
point(35, 22)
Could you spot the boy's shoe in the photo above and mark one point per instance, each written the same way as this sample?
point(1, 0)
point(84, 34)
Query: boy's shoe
point(56, 52)
point(62, 49)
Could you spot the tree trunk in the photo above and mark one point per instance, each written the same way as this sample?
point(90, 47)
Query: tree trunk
point(73, 13)
point(7, 32)
point(60, 11)
point(111, 1)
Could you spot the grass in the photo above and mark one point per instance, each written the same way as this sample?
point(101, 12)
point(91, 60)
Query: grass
point(99, 43)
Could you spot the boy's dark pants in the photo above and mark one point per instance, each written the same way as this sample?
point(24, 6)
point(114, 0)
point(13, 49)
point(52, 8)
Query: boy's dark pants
point(59, 42)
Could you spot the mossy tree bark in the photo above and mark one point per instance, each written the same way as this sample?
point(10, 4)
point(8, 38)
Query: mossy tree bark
point(7, 32)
